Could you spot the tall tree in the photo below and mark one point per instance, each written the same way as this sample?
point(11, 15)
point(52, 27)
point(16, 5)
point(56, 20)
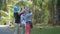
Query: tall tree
point(52, 10)
point(58, 12)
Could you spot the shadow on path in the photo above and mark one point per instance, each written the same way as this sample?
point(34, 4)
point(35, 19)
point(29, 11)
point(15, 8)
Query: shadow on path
point(6, 30)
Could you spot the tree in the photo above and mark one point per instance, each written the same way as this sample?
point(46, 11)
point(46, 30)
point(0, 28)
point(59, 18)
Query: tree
point(58, 12)
point(41, 12)
point(53, 12)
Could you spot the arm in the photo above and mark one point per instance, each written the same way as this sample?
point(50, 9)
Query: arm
point(21, 18)
point(29, 14)
point(20, 12)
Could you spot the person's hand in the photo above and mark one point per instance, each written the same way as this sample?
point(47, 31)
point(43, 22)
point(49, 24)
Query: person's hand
point(18, 13)
point(21, 12)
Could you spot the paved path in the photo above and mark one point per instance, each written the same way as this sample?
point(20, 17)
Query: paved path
point(6, 30)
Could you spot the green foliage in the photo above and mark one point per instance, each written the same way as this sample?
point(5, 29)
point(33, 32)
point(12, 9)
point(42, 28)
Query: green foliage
point(9, 16)
point(23, 3)
point(6, 17)
point(41, 14)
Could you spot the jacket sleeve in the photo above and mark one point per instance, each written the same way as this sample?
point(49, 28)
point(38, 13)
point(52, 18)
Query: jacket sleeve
point(29, 14)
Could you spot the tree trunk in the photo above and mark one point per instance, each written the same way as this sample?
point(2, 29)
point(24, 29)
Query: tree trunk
point(58, 11)
point(51, 9)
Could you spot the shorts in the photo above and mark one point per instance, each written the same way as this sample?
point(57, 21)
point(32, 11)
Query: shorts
point(29, 22)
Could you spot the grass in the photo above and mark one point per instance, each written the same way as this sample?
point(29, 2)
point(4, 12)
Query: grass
point(46, 31)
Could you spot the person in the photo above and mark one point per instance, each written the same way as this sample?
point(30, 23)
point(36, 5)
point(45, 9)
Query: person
point(28, 22)
point(17, 19)
point(26, 17)
point(23, 22)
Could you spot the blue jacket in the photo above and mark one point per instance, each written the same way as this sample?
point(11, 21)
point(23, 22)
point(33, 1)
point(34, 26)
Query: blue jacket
point(26, 18)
